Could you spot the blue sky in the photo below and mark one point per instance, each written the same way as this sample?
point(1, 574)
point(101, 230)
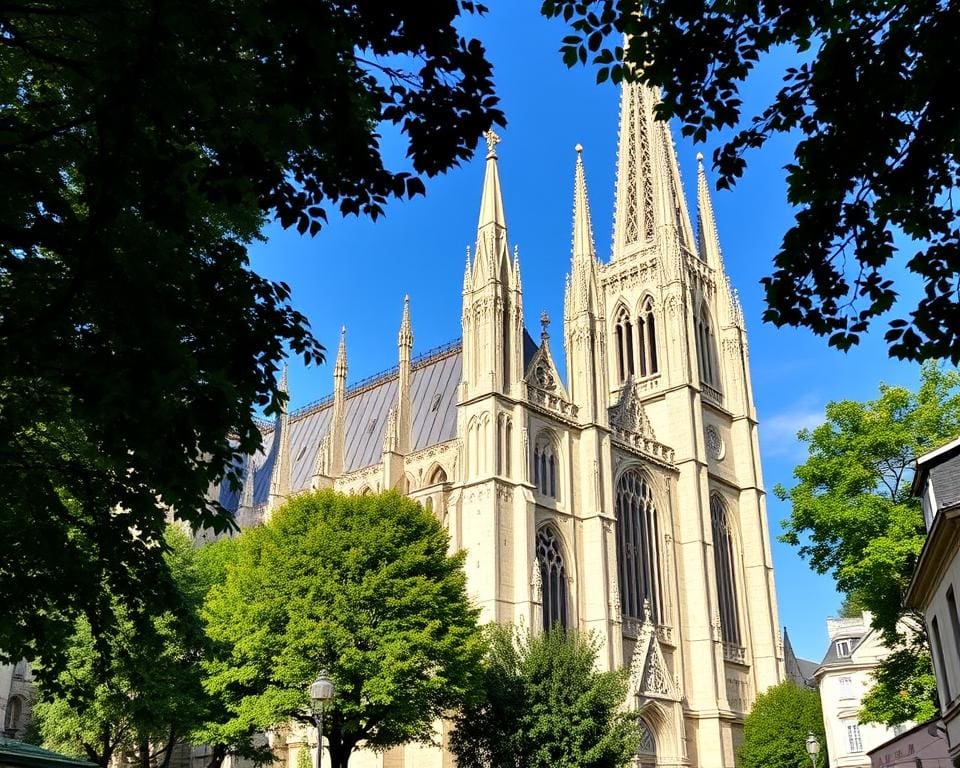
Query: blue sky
point(356, 272)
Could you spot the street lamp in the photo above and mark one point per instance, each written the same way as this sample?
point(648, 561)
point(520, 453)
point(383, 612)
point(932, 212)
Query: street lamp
point(321, 692)
point(813, 747)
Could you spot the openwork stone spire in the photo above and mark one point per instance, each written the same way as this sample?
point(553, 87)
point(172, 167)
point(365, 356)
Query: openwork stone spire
point(280, 477)
point(649, 199)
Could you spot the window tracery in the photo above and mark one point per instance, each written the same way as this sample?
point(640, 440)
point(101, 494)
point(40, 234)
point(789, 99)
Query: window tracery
point(553, 576)
point(545, 466)
point(723, 559)
point(638, 547)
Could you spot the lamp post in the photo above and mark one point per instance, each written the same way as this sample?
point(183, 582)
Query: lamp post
point(813, 748)
point(321, 692)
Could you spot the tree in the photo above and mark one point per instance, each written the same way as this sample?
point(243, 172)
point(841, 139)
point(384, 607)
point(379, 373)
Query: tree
point(361, 586)
point(543, 704)
point(853, 516)
point(870, 104)
point(135, 693)
point(142, 147)
point(775, 732)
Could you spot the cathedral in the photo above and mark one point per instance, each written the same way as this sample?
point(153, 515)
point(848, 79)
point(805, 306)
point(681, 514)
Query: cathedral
point(626, 501)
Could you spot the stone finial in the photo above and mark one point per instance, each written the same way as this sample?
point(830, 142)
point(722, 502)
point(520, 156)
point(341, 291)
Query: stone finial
point(544, 325)
point(492, 140)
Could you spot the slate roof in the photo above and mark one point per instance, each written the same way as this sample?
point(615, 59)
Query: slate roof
point(946, 481)
point(832, 657)
point(434, 378)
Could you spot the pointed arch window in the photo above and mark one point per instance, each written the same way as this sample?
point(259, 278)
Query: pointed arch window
point(623, 331)
point(647, 747)
point(545, 466)
point(638, 550)
point(706, 355)
point(647, 339)
point(553, 574)
point(723, 561)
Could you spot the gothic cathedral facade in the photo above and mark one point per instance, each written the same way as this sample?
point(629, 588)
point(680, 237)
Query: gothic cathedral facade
point(627, 501)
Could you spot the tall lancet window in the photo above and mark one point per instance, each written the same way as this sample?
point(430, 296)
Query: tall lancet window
point(723, 560)
point(706, 357)
point(647, 339)
point(545, 466)
point(638, 547)
point(623, 330)
point(554, 577)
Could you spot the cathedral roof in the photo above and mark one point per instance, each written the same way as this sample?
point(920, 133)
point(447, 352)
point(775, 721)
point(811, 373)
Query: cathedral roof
point(435, 376)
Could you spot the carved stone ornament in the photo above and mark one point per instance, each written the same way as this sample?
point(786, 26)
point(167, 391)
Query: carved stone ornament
point(544, 377)
point(715, 446)
point(628, 413)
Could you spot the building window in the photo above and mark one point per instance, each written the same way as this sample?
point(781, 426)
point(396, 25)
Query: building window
point(706, 357)
point(843, 648)
point(853, 738)
point(504, 437)
point(623, 331)
point(648, 745)
point(723, 561)
point(954, 618)
point(545, 466)
point(942, 681)
point(647, 339)
point(11, 723)
point(638, 548)
point(554, 578)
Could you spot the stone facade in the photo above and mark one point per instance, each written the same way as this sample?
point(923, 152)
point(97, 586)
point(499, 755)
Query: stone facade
point(626, 501)
point(936, 580)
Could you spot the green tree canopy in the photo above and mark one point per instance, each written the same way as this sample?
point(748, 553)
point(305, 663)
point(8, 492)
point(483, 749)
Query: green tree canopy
point(870, 103)
point(142, 147)
point(853, 516)
point(134, 691)
point(775, 732)
point(543, 704)
point(361, 586)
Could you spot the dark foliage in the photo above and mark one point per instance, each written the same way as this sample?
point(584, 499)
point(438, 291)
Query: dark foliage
point(142, 147)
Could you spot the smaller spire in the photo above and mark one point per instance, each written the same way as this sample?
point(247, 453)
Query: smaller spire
point(340, 368)
point(492, 222)
point(405, 338)
point(583, 247)
point(706, 224)
point(467, 276)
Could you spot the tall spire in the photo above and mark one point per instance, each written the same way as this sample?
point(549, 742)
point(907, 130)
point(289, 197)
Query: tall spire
point(403, 424)
point(405, 337)
point(280, 476)
point(491, 251)
point(709, 241)
point(340, 367)
point(649, 201)
point(491, 202)
point(338, 426)
point(583, 278)
point(583, 310)
point(583, 248)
